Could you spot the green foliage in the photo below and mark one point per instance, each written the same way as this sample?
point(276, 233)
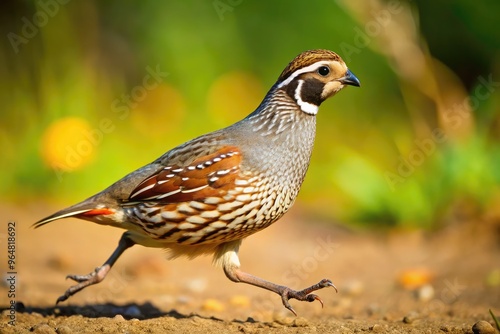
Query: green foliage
point(93, 61)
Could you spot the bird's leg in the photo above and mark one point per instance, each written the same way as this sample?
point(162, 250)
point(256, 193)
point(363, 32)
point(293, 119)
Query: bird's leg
point(239, 276)
point(230, 263)
point(100, 272)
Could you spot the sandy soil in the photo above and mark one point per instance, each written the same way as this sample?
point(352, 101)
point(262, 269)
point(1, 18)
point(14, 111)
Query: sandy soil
point(390, 282)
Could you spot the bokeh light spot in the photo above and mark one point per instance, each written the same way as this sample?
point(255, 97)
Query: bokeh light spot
point(69, 144)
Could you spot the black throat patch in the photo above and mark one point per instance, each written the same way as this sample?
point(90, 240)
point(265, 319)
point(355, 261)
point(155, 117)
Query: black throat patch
point(310, 90)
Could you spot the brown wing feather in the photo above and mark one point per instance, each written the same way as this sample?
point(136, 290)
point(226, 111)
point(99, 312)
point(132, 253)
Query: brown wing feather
point(207, 176)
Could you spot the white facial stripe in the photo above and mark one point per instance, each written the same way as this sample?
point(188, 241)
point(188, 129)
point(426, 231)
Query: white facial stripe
point(310, 68)
point(306, 107)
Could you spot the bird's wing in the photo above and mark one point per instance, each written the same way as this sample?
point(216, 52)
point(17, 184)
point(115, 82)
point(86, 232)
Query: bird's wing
point(207, 176)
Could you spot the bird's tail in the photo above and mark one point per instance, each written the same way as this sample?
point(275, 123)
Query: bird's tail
point(81, 210)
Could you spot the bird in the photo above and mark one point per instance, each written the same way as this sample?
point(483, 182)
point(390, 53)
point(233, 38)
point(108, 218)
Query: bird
point(205, 196)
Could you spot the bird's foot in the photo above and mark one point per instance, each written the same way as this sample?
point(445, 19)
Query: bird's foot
point(84, 281)
point(305, 294)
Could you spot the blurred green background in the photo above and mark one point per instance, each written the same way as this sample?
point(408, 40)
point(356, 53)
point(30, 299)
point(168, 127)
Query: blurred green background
point(91, 90)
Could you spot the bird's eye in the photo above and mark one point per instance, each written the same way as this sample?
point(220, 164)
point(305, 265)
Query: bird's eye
point(324, 71)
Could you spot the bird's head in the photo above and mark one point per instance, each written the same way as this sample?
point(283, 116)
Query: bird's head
point(314, 76)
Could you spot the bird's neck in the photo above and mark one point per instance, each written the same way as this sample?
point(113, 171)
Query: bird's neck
point(285, 134)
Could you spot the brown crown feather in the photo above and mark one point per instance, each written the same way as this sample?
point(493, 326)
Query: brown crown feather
point(307, 58)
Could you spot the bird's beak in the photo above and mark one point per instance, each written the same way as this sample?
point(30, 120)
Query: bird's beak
point(350, 79)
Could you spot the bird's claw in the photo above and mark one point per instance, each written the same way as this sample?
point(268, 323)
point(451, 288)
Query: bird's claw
point(83, 278)
point(305, 294)
point(314, 297)
point(328, 283)
point(84, 281)
point(63, 297)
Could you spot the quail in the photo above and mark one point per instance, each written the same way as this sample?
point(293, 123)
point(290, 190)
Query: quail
point(206, 195)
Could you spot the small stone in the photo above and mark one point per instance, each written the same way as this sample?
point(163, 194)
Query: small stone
point(132, 312)
point(410, 318)
point(300, 322)
point(239, 301)
point(197, 320)
point(52, 323)
point(43, 329)
point(271, 324)
point(425, 293)
point(346, 330)
point(118, 317)
point(407, 320)
point(445, 328)
point(278, 318)
point(213, 305)
point(377, 328)
point(197, 285)
point(373, 308)
point(63, 330)
point(483, 327)
point(182, 299)
point(353, 288)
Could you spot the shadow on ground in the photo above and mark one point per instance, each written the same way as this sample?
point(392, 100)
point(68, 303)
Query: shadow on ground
point(143, 311)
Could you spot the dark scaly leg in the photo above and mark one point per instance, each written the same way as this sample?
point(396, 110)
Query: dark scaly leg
point(100, 272)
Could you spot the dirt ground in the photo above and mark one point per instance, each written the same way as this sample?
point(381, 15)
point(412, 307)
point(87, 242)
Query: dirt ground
point(389, 282)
